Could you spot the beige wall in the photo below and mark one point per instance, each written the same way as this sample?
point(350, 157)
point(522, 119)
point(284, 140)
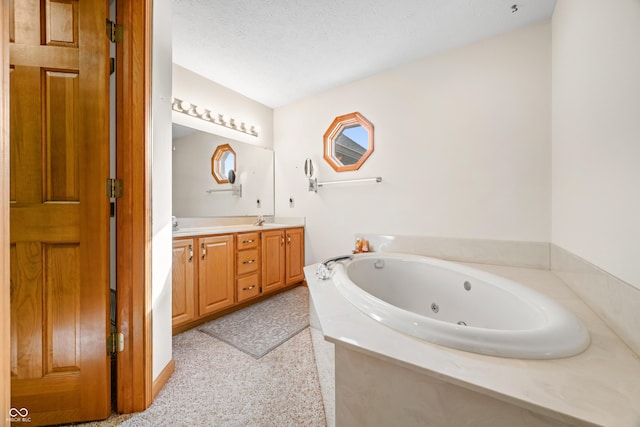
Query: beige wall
point(462, 142)
point(596, 133)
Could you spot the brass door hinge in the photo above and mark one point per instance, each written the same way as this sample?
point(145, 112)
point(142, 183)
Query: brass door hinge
point(115, 343)
point(114, 188)
point(115, 32)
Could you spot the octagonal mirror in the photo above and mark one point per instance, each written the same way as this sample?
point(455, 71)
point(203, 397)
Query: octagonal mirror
point(348, 142)
point(223, 161)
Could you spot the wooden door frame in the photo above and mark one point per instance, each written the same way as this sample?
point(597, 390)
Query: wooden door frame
point(5, 316)
point(135, 376)
point(133, 210)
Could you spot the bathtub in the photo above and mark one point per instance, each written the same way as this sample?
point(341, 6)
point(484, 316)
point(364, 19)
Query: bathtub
point(460, 307)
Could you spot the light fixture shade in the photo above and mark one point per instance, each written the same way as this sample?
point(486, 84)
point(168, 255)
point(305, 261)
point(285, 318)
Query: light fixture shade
point(185, 107)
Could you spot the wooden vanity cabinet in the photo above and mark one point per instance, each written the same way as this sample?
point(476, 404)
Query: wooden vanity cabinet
point(183, 289)
point(215, 273)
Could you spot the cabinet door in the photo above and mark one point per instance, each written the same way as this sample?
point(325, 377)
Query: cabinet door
point(295, 255)
point(273, 256)
point(183, 292)
point(215, 273)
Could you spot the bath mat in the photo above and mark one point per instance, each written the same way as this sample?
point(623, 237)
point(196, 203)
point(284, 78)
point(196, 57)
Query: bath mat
point(258, 329)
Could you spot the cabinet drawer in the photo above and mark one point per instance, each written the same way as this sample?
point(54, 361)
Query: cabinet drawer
point(248, 287)
point(247, 261)
point(247, 240)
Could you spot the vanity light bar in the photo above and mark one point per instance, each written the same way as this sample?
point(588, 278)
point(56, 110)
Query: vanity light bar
point(192, 110)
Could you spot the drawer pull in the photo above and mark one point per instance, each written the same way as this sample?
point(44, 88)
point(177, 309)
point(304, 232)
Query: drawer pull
point(248, 241)
point(203, 250)
point(251, 261)
point(249, 288)
point(190, 252)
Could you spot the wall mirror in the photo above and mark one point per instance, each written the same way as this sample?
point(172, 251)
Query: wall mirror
point(223, 160)
point(192, 176)
point(348, 142)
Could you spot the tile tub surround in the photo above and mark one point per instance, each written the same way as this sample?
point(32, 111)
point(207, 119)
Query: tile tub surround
point(614, 300)
point(597, 387)
point(365, 385)
point(482, 251)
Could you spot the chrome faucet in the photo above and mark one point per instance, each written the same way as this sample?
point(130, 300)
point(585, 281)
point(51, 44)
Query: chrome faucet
point(324, 270)
point(259, 220)
point(338, 258)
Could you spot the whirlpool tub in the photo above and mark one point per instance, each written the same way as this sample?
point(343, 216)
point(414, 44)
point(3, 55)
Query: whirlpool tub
point(459, 307)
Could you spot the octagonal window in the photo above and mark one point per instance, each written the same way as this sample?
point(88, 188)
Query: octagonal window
point(223, 161)
point(348, 142)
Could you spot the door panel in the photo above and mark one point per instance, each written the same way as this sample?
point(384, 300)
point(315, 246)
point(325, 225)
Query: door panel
point(59, 210)
point(295, 255)
point(183, 293)
point(215, 271)
point(273, 259)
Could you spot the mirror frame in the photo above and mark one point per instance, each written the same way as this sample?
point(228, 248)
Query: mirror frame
point(336, 127)
point(216, 159)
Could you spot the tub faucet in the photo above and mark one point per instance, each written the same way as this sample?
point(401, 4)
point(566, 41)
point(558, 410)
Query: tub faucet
point(325, 268)
point(338, 258)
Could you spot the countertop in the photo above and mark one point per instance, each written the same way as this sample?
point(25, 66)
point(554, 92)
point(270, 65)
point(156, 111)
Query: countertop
point(600, 386)
point(226, 229)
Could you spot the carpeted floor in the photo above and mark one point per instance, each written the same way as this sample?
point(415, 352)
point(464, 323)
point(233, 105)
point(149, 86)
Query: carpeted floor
point(215, 384)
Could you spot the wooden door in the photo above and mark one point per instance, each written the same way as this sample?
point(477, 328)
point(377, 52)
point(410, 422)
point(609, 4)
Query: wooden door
point(273, 253)
point(183, 295)
point(295, 255)
point(215, 273)
point(59, 257)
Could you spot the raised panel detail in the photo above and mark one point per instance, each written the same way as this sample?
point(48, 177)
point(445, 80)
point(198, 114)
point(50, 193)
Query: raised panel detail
point(61, 145)
point(215, 270)
point(12, 22)
point(26, 310)
point(62, 304)
point(13, 323)
point(60, 23)
point(273, 258)
point(26, 149)
point(25, 32)
point(183, 282)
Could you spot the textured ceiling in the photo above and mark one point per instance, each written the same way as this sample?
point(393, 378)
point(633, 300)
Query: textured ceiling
point(278, 51)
